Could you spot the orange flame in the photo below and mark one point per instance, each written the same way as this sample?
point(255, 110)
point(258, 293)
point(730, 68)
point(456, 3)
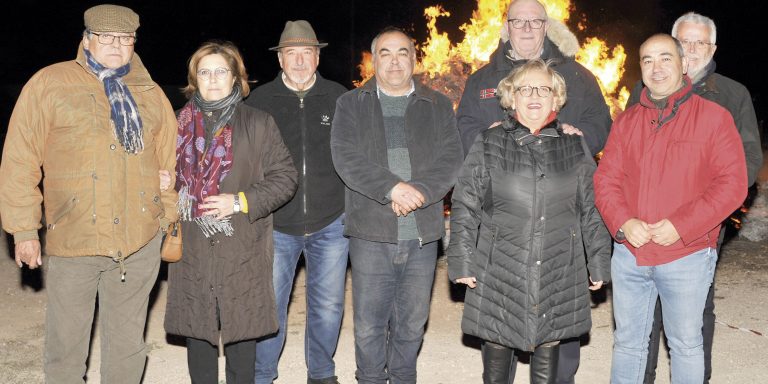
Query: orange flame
point(445, 66)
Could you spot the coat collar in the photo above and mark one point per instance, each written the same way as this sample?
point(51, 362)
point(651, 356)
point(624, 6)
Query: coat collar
point(523, 136)
point(504, 63)
point(420, 90)
point(282, 90)
point(674, 101)
point(138, 76)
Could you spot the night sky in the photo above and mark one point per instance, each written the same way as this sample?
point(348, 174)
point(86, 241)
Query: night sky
point(38, 33)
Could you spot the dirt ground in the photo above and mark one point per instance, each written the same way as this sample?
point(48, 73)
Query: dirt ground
point(740, 352)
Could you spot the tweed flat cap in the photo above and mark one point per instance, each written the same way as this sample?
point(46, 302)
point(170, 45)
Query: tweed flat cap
point(298, 33)
point(111, 18)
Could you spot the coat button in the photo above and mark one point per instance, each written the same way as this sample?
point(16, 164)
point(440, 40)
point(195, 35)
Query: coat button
point(542, 176)
point(112, 147)
point(116, 221)
point(538, 142)
point(156, 199)
point(538, 262)
point(541, 218)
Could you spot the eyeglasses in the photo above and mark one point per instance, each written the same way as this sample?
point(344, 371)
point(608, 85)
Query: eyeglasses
point(220, 73)
point(533, 23)
point(107, 39)
point(697, 44)
point(527, 91)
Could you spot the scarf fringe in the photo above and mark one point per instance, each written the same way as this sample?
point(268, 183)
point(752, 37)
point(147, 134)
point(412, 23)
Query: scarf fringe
point(209, 225)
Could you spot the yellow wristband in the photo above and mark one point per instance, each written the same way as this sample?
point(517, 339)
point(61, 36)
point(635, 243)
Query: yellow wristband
point(243, 202)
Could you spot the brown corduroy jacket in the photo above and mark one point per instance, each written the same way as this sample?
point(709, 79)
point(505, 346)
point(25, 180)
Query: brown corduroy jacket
point(98, 199)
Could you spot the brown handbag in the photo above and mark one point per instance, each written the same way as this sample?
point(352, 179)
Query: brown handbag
point(171, 250)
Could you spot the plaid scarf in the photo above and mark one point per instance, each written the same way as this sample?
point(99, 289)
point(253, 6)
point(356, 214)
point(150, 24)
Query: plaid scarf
point(202, 164)
point(123, 109)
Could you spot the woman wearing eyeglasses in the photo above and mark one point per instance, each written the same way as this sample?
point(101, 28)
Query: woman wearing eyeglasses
point(522, 216)
point(232, 171)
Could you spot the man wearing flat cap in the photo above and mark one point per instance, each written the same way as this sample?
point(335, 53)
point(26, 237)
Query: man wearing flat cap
point(95, 130)
point(303, 103)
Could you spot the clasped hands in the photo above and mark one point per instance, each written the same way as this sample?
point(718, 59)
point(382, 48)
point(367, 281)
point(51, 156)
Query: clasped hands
point(639, 233)
point(405, 199)
point(221, 206)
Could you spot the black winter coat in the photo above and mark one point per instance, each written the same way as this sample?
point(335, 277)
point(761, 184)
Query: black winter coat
point(523, 212)
point(305, 125)
point(226, 281)
point(584, 108)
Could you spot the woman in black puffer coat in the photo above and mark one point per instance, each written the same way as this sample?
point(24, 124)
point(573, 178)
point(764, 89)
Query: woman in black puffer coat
point(523, 214)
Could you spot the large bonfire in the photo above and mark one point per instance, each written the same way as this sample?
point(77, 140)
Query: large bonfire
point(445, 65)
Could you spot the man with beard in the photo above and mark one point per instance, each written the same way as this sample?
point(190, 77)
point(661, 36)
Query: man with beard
point(303, 103)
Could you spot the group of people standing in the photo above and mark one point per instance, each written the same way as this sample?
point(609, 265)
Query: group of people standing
point(300, 166)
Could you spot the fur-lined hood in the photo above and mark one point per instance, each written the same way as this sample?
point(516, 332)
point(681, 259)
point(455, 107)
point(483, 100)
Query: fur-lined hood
point(559, 34)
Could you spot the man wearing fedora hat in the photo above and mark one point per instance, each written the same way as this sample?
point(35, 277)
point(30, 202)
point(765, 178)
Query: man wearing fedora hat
point(303, 104)
point(98, 128)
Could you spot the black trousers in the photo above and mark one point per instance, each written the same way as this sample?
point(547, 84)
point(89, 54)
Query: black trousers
point(202, 359)
point(707, 329)
point(568, 361)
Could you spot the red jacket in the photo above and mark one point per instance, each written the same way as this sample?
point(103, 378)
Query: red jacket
point(684, 162)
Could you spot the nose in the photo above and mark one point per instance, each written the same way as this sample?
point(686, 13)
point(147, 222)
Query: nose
point(299, 59)
point(212, 78)
point(691, 48)
point(527, 26)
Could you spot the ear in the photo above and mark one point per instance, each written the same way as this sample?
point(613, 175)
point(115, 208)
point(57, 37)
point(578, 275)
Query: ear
point(86, 42)
point(505, 28)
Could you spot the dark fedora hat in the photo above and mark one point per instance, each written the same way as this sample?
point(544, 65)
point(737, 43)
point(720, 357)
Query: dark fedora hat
point(298, 33)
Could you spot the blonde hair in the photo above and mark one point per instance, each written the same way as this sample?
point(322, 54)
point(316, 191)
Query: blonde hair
point(229, 52)
point(507, 86)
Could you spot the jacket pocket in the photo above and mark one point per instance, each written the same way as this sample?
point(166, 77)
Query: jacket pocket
point(152, 206)
point(62, 212)
point(493, 245)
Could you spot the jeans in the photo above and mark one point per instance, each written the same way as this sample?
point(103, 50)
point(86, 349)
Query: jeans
point(391, 291)
point(682, 285)
point(708, 330)
point(74, 284)
point(325, 255)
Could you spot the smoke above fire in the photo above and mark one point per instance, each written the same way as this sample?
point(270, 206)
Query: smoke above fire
point(445, 65)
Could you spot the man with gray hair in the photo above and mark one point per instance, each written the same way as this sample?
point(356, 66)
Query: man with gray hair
point(698, 36)
point(95, 130)
point(303, 103)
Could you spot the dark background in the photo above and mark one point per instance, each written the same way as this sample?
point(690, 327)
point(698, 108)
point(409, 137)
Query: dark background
point(37, 33)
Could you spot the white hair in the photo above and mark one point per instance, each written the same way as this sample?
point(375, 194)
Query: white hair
point(695, 18)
